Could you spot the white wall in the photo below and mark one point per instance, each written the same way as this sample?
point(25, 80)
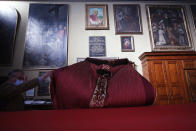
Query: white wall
point(78, 44)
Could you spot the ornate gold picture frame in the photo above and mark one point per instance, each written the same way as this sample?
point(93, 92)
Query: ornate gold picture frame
point(168, 28)
point(127, 44)
point(97, 17)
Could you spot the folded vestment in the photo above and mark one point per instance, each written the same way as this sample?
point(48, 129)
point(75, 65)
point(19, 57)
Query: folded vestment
point(99, 83)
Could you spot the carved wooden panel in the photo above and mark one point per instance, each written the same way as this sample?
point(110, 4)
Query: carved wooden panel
point(189, 64)
point(177, 92)
point(160, 82)
point(165, 71)
point(145, 71)
point(191, 83)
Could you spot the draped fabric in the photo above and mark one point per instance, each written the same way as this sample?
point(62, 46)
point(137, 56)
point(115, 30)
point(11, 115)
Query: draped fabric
point(100, 91)
point(115, 82)
point(173, 117)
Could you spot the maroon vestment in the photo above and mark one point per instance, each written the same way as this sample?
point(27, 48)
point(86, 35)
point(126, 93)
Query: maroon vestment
point(115, 82)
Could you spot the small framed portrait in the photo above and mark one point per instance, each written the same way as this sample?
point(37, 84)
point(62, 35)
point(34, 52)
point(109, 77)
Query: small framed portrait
point(168, 28)
point(43, 90)
point(80, 59)
point(97, 17)
point(193, 11)
point(127, 18)
point(127, 44)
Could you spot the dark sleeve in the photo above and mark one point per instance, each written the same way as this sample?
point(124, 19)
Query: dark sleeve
point(10, 90)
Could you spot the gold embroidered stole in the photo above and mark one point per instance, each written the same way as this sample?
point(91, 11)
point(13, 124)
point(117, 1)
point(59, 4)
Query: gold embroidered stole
point(100, 91)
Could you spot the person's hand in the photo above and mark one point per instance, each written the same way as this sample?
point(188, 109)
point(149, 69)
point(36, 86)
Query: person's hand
point(46, 75)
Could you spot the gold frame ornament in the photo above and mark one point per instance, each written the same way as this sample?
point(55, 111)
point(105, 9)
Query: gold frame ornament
point(127, 44)
point(168, 27)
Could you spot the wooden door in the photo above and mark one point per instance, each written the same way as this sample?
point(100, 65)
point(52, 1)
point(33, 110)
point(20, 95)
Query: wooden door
point(176, 82)
point(191, 84)
point(159, 81)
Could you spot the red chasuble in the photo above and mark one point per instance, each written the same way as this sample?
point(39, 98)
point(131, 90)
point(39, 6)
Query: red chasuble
point(96, 83)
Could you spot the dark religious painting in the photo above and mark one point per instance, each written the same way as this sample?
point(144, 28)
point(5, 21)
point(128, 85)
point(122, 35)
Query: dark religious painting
point(168, 28)
point(127, 19)
point(8, 25)
point(193, 11)
point(46, 36)
point(97, 46)
point(127, 44)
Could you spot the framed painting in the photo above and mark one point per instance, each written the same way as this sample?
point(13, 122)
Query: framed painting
point(46, 36)
point(8, 26)
point(127, 44)
point(127, 19)
point(97, 17)
point(43, 90)
point(97, 46)
point(80, 59)
point(106, 58)
point(168, 28)
point(193, 11)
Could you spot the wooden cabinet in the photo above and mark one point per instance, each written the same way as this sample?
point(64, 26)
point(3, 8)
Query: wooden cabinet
point(166, 72)
point(191, 83)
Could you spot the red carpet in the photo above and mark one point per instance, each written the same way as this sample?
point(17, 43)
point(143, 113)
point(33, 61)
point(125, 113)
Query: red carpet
point(180, 117)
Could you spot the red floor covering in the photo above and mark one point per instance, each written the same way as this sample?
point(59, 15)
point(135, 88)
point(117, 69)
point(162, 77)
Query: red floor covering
point(179, 117)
